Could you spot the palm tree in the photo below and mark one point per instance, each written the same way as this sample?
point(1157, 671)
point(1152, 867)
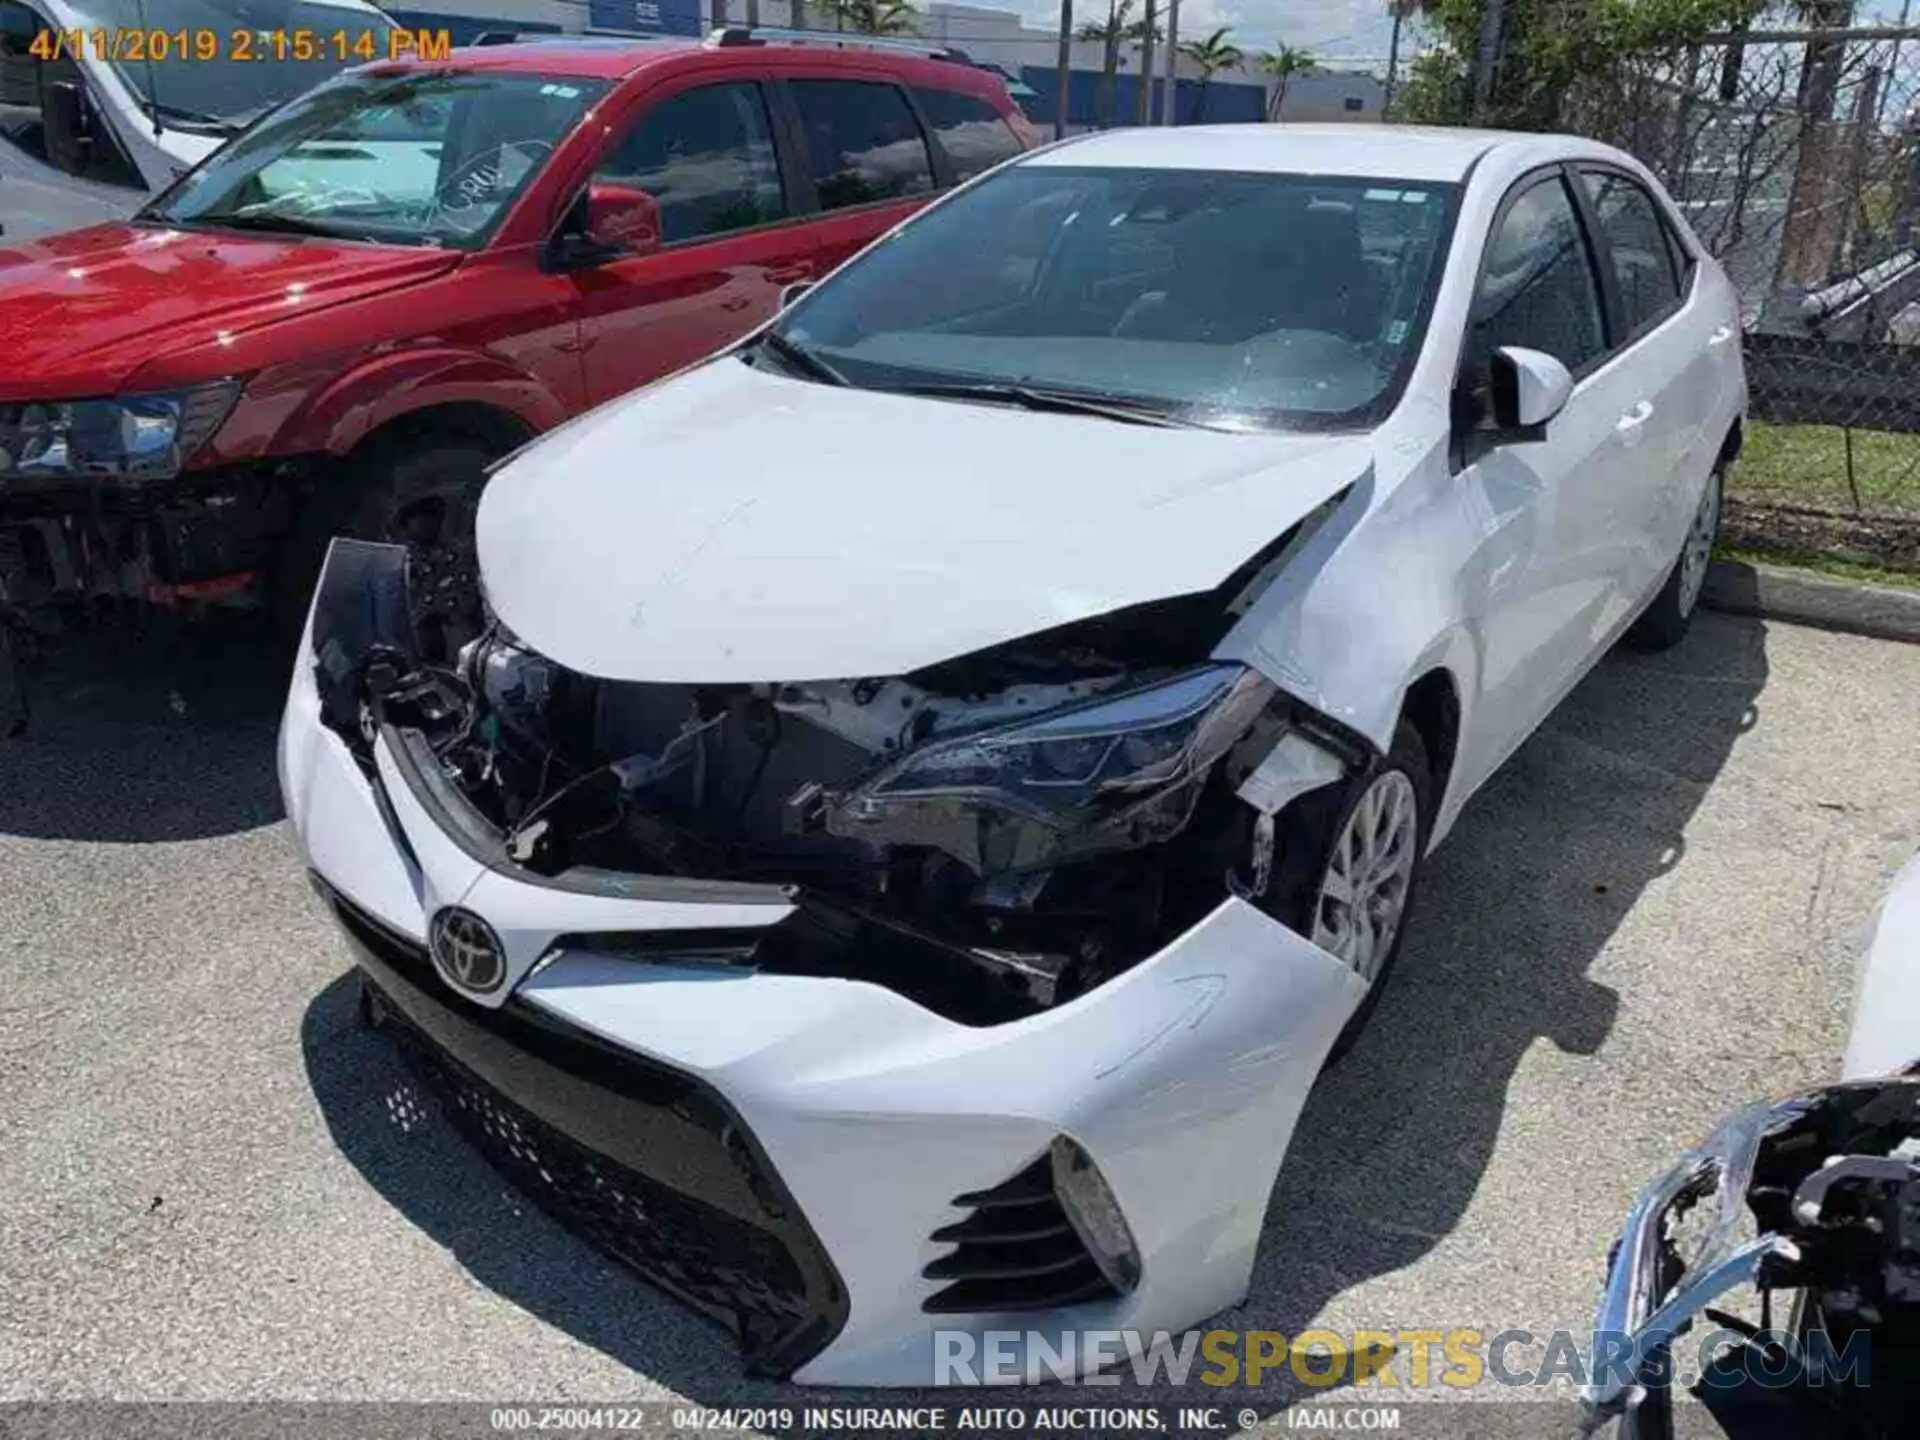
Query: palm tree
point(873, 17)
point(1212, 54)
point(1110, 35)
point(1283, 64)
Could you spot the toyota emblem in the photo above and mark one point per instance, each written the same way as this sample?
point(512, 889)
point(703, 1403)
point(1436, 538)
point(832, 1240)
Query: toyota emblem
point(466, 952)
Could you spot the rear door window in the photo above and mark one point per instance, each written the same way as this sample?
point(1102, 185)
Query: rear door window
point(975, 136)
point(706, 156)
point(863, 144)
point(1639, 249)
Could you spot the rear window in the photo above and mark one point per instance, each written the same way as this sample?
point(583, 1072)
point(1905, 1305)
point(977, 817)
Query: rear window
point(863, 144)
point(975, 136)
point(1640, 247)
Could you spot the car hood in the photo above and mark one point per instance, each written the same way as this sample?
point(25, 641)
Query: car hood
point(731, 525)
point(80, 313)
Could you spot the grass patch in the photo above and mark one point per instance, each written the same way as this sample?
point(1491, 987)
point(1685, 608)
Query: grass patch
point(1807, 465)
point(1799, 559)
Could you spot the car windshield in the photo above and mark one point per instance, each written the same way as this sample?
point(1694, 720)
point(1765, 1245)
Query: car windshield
point(1253, 300)
point(216, 64)
point(420, 157)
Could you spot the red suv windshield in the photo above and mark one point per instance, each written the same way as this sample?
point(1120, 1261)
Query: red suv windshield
point(426, 157)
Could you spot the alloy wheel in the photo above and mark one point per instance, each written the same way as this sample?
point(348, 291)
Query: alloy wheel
point(1699, 547)
point(435, 523)
point(1363, 893)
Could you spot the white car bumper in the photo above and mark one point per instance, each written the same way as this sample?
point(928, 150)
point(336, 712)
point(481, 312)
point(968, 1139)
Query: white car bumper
point(783, 1147)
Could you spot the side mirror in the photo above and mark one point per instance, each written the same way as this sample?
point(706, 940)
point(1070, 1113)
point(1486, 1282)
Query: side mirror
point(69, 125)
point(622, 218)
point(1526, 388)
point(791, 293)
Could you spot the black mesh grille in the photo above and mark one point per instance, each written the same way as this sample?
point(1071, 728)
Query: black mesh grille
point(1016, 1251)
point(737, 1273)
point(645, 1162)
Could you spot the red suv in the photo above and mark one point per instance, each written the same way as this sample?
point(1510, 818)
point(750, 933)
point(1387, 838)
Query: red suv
point(336, 322)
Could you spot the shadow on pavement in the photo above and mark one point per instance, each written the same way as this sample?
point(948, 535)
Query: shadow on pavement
point(148, 731)
point(1393, 1144)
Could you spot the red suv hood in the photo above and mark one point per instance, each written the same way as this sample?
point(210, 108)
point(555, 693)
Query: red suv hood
point(80, 313)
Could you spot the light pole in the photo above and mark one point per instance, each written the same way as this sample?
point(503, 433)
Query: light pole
point(1170, 106)
point(1065, 71)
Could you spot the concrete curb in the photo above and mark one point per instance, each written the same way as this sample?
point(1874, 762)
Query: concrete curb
point(1804, 598)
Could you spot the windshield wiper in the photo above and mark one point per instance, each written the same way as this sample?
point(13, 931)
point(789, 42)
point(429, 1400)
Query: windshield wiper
point(281, 224)
point(800, 358)
point(226, 125)
point(1053, 402)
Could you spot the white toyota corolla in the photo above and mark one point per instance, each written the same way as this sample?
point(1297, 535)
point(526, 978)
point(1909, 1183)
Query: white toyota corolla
point(943, 776)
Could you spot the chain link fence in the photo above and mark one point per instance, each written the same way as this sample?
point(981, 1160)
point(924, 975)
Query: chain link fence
point(1793, 146)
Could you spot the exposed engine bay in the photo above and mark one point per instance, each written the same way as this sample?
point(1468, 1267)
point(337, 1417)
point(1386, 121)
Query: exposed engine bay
point(1828, 1185)
point(1041, 815)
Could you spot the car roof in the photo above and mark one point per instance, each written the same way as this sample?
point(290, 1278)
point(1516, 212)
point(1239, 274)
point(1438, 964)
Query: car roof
point(605, 57)
point(613, 57)
point(1398, 152)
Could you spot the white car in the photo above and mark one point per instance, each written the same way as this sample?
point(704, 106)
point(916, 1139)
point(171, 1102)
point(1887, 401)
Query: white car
point(945, 773)
point(105, 103)
point(1885, 1036)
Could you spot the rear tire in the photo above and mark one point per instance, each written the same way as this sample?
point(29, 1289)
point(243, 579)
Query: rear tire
point(1665, 622)
point(1318, 842)
point(423, 494)
point(15, 712)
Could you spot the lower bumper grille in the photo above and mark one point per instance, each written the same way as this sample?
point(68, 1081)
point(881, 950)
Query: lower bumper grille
point(647, 1163)
point(1016, 1251)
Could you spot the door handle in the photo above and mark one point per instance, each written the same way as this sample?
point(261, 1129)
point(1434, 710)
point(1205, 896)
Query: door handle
point(1636, 417)
point(1631, 426)
point(1721, 336)
point(787, 274)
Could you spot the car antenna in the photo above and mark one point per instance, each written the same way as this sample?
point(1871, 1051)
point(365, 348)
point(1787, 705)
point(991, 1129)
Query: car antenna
point(153, 81)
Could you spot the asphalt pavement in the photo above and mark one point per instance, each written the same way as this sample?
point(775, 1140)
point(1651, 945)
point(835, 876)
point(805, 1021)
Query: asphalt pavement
point(216, 1187)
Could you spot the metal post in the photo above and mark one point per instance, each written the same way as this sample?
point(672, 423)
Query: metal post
point(1065, 75)
point(1144, 107)
point(1170, 102)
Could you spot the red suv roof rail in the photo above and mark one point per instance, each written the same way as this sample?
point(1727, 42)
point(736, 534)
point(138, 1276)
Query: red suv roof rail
point(727, 36)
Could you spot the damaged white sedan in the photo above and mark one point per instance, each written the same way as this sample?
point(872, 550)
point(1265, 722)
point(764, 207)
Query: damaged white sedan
point(943, 775)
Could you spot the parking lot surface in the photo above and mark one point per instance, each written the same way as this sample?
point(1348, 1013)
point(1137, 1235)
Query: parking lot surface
point(217, 1187)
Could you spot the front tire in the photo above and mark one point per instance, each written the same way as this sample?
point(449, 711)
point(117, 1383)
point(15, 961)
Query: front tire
point(15, 712)
point(1349, 862)
point(1665, 622)
point(421, 494)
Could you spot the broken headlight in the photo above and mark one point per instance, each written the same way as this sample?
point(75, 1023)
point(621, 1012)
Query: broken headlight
point(1114, 773)
point(142, 437)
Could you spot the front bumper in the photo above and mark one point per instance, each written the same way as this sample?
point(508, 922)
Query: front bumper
point(163, 539)
point(859, 1116)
